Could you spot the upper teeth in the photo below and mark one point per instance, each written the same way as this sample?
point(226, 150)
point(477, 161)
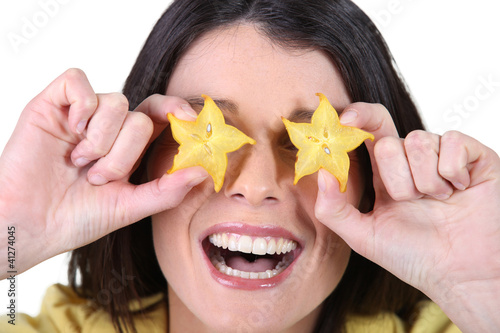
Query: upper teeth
point(257, 245)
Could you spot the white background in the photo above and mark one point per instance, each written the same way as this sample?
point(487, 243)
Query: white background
point(446, 50)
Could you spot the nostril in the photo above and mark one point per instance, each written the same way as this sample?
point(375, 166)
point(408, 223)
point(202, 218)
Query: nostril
point(254, 201)
point(271, 199)
point(238, 196)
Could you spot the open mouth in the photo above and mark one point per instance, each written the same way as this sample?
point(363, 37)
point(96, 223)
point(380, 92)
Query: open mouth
point(250, 257)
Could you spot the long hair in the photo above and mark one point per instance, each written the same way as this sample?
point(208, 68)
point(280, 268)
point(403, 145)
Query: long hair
point(338, 28)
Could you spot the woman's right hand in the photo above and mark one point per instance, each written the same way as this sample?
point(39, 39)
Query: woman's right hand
point(64, 172)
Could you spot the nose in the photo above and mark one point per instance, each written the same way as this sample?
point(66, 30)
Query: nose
point(253, 177)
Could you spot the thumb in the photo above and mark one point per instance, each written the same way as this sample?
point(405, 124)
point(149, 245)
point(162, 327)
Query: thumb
point(166, 192)
point(334, 211)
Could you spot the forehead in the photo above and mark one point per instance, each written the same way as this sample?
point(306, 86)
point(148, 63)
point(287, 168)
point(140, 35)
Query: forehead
point(239, 60)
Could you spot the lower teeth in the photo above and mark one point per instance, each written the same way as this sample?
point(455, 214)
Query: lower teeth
point(219, 263)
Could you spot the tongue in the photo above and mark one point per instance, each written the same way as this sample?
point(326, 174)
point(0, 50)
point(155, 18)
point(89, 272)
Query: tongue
point(259, 265)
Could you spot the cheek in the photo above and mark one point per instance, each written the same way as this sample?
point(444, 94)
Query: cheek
point(172, 229)
point(161, 241)
point(330, 251)
point(167, 249)
point(167, 246)
point(322, 269)
point(173, 248)
point(328, 254)
point(335, 251)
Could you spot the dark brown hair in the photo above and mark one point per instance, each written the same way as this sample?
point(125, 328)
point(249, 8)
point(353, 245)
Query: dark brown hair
point(337, 27)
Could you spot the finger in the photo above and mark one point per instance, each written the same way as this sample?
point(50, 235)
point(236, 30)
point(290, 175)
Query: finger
point(137, 202)
point(334, 210)
point(464, 161)
point(373, 118)
point(72, 89)
point(102, 129)
point(331, 204)
point(127, 149)
point(394, 169)
point(422, 151)
point(158, 106)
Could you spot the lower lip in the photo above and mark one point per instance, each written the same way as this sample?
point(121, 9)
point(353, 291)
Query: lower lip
point(247, 284)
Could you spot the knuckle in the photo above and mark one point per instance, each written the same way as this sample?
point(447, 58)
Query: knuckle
point(172, 101)
point(386, 148)
point(84, 149)
point(107, 127)
point(97, 143)
point(380, 106)
point(398, 195)
point(167, 103)
point(117, 101)
point(418, 140)
point(95, 150)
point(452, 138)
point(93, 146)
point(76, 77)
point(428, 188)
point(90, 103)
point(156, 97)
point(75, 73)
point(398, 181)
point(447, 170)
point(116, 169)
point(141, 124)
point(402, 195)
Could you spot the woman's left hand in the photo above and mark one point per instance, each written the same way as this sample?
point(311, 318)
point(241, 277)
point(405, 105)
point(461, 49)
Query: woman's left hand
point(436, 219)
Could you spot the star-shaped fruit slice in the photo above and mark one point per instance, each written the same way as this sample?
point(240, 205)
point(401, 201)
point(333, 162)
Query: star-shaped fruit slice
point(206, 142)
point(324, 143)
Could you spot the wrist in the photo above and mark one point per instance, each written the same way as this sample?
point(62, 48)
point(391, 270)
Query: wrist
point(21, 247)
point(472, 306)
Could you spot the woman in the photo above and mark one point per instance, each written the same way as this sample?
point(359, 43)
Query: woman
point(421, 208)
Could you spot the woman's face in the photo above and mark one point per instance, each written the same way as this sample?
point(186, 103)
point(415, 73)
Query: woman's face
point(255, 83)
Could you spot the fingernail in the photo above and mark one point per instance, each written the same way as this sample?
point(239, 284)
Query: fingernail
point(459, 186)
point(81, 161)
point(97, 179)
point(195, 181)
point(442, 196)
point(81, 126)
point(348, 116)
point(321, 182)
point(189, 110)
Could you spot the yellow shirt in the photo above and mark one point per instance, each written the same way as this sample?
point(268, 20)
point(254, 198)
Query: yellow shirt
point(63, 311)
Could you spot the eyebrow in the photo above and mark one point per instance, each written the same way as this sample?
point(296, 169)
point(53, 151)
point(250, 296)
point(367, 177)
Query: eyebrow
point(298, 115)
point(301, 115)
point(304, 115)
point(223, 104)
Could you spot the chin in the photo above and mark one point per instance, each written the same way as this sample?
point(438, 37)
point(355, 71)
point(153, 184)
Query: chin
point(241, 277)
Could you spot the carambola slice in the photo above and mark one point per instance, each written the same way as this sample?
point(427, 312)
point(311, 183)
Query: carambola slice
point(206, 142)
point(324, 143)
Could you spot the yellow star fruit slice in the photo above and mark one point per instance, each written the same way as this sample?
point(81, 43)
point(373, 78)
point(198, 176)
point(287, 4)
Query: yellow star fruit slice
point(324, 143)
point(206, 142)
